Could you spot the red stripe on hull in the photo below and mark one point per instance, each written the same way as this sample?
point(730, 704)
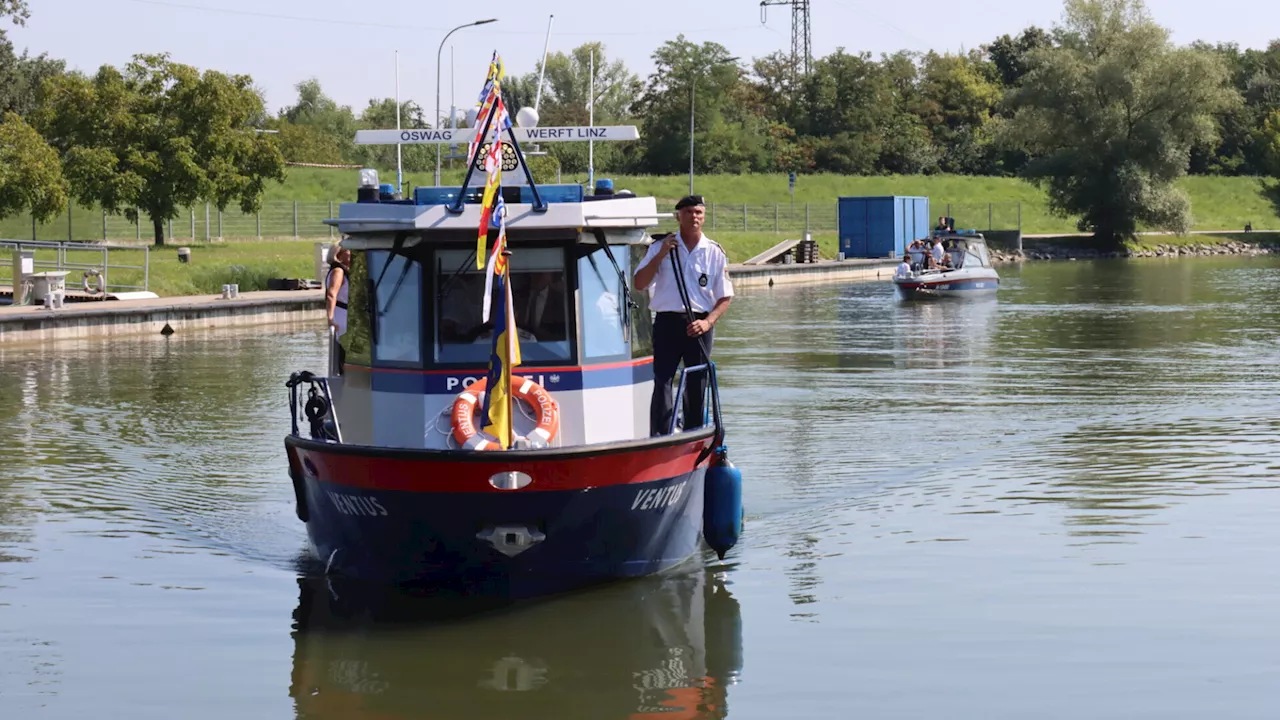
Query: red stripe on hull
point(436, 473)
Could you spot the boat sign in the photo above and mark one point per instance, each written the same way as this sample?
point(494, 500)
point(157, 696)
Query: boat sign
point(524, 135)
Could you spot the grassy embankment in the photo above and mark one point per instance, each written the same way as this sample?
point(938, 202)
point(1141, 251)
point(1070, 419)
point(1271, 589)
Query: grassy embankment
point(1218, 204)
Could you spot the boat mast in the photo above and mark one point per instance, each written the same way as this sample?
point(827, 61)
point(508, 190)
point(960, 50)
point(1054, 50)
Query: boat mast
point(542, 70)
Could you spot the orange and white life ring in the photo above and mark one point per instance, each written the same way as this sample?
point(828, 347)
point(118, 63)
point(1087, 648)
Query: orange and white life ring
point(464, 408)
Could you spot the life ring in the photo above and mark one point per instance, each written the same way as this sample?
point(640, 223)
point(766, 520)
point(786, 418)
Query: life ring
point(102, 286)
point(545, 406)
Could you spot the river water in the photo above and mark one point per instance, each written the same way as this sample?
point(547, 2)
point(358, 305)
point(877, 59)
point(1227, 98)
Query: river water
point(1061, 503)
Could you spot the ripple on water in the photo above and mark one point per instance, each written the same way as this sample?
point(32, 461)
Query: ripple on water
point(180, 443)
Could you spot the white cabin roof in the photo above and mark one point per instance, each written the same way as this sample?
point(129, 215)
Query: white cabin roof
point(627, 212)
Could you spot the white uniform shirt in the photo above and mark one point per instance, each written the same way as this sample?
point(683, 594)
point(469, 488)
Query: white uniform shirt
point(706, 276)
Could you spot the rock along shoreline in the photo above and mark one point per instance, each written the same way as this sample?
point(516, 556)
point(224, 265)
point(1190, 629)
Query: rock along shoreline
point(1068, 252)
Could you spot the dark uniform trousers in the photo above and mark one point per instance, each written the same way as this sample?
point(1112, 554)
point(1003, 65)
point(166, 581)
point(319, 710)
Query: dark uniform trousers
point(671, 345)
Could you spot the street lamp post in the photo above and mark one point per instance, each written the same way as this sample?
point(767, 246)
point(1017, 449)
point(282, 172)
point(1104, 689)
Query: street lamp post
point(438, 54)
point(693, 87)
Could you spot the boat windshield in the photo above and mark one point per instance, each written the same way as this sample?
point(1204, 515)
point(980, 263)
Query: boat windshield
point(540, 298)
point(976, 255)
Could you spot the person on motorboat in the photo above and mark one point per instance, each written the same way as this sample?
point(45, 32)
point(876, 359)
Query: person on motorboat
point(942, 224)
point(904, 267)
point(918, 250)
point(704, 266)
point(938, 252)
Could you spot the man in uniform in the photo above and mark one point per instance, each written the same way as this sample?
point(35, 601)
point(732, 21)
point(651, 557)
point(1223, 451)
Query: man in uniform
point(706, 281)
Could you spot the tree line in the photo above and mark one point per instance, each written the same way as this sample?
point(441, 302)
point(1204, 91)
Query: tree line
point(1102, 111)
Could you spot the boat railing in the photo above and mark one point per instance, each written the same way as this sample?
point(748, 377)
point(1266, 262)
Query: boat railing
point(713, 386)
point(317, 406)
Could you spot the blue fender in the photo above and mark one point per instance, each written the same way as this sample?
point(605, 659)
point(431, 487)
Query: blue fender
point(722, 510)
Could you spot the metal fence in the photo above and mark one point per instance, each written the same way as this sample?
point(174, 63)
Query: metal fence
point(286, 219)
point(201, 223)
point(983, 216)
point(111, 262)
point(776, 217)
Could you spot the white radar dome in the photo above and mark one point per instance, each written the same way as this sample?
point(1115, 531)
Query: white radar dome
point(527, 117)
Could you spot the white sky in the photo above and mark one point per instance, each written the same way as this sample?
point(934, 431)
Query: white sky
point(282, 42)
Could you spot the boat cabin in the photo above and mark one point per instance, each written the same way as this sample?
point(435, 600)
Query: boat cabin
point(415, 337)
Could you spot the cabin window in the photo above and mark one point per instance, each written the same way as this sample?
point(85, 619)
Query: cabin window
point(540, 300)
point(356, 340)
point(641, 318)
point(603, 336)
point(397, 312)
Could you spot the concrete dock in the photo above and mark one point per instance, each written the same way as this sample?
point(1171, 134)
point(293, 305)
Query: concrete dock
point(163, 316)
point(853, 270)
point(82, 320)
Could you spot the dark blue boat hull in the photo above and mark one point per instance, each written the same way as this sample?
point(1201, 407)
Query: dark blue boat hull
point(517, 543)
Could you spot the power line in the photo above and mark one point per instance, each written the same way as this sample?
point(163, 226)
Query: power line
point(273, 16)
point(357, 23)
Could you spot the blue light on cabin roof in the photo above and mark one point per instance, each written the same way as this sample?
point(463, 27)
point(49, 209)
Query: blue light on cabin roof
point(448, 195)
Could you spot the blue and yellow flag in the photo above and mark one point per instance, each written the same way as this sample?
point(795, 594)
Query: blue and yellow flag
point(492, 183)
point(491, 103)
point(503, 358)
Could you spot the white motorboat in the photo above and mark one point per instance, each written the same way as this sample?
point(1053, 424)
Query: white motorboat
point(966, 269)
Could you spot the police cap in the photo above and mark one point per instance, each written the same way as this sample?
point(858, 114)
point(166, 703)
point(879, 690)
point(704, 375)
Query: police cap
point(689, 201)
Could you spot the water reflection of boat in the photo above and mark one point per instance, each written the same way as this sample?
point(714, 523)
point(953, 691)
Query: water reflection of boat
point(659, 647)
point(941, 334)
point(969, 271)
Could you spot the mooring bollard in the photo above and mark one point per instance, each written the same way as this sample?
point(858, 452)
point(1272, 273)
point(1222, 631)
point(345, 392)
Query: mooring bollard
point(184, 255)
point(226, 292)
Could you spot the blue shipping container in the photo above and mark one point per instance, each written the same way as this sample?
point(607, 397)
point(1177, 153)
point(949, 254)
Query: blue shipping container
point(881, 227)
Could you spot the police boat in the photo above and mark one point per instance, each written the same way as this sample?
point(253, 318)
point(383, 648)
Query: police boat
point(400, 470)
point(967, 269)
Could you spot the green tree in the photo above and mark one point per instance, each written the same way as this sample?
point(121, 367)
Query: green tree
point(30, 173)
point(1267, 139)
point(908, 147)
point(729, 138)
point(1255, 74)
point(958, 100)
point(863, 117)
point(1110, 115)
point(846, 102)
point(15, 10)
point(518, 91)
point(21, 77)
point(159, 136)
point(567, 99)
point(323, 116)
point(381, 115)
point(307, 144)
point(1009, 54)
point(776, 88)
